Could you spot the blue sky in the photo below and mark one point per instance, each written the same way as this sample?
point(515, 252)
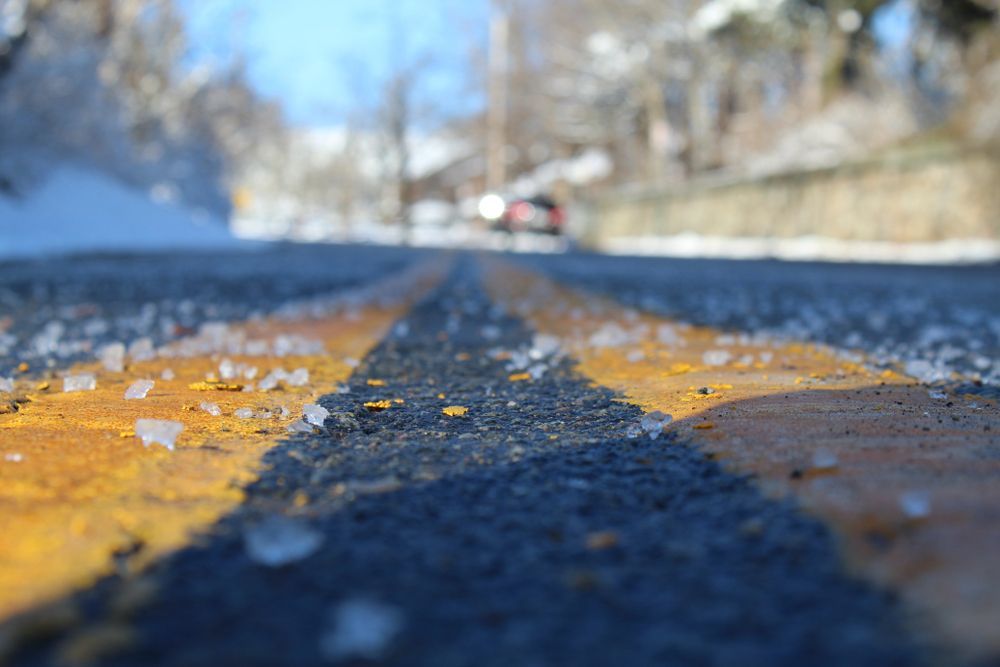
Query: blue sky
point(325, 59)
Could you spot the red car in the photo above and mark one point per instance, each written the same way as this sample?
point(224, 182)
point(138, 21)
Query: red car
point(532, 214)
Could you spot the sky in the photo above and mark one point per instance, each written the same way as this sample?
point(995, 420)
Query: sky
point(326, 59)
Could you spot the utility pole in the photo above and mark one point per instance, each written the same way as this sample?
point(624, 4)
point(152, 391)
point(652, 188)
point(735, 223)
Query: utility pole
point(496, 115)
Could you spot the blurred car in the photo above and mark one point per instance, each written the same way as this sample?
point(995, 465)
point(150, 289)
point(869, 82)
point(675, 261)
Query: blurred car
point(539, 214)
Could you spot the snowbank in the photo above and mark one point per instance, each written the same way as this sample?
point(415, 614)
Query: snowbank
point(78, 210)
point(807, 248)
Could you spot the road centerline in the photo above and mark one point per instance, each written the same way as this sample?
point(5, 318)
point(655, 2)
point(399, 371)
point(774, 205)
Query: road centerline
point(84, 488)
point(525, 531)
point(904, 477)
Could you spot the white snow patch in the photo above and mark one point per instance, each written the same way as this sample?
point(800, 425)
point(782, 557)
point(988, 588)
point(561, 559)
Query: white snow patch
point(807, 248)
point(80, 210)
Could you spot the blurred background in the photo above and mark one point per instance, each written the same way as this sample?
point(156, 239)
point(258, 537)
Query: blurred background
point(831, 129)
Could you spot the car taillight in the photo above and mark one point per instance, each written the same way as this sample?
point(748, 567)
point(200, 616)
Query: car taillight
point(523, 211)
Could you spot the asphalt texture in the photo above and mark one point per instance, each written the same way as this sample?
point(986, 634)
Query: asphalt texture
point(54, 311)
point(940, 324)
point(530, 531)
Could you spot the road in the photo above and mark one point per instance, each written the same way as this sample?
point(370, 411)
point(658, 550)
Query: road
point(493, 478)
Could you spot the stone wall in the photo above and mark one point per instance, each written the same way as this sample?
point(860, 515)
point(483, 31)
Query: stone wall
point(915, 196)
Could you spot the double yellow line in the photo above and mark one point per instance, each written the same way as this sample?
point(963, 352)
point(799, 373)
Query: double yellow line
point(910, 483)
point(78, 487)
point(907, 481)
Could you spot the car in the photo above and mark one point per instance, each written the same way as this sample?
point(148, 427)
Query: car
point(539, 214)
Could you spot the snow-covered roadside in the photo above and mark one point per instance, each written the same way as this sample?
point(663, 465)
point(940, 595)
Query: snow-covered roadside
point(807, 248)
point(77, 210)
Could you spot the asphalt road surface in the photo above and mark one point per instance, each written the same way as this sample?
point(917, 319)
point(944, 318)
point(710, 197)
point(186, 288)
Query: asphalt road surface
point(480, 491)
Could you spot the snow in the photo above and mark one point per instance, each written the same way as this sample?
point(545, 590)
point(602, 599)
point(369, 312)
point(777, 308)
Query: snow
point(717, 14)
point(80, 210)
point(807, 248)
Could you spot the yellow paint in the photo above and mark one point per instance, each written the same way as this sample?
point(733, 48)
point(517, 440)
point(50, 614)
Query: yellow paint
point(519, 377)
point(215, 385)
point(374, 382)
point(890, 438)
point(455, 410)
point(378, 406)
point(82, 492)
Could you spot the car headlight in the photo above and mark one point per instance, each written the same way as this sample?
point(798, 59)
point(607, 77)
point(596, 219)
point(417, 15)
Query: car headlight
point(491, 207)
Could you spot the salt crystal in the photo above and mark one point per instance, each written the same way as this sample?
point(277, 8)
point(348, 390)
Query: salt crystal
point(141, 349)
point(610, 334)
point(716, 357)
point(112, 357)
point(300, 426)
point(271, 380)
point(278, 541)
point(824, 459)
point(654, 422)
point(7, 385)
point(666, 334)
point(158, 431)
point(298, 378)
point(352, 362)
point(344, 389)
point(255, 348)
point(243, 413)
point(490, 332)
point(543, 345)
point(361, 628)
point(211, 408)
point(14, 457)
point(915, 504)
point(167, 374)
point(633, 431)
point(82, 382)
point(227, 369)
point(537, 371)
point(284, 412)
point(635, 356)
point(138, 389)
point(924, 370)
point(315, 414)
point(937, 395)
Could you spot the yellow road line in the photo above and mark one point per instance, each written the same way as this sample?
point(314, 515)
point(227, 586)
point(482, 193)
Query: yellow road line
point(910, 483)
point(76, 487)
